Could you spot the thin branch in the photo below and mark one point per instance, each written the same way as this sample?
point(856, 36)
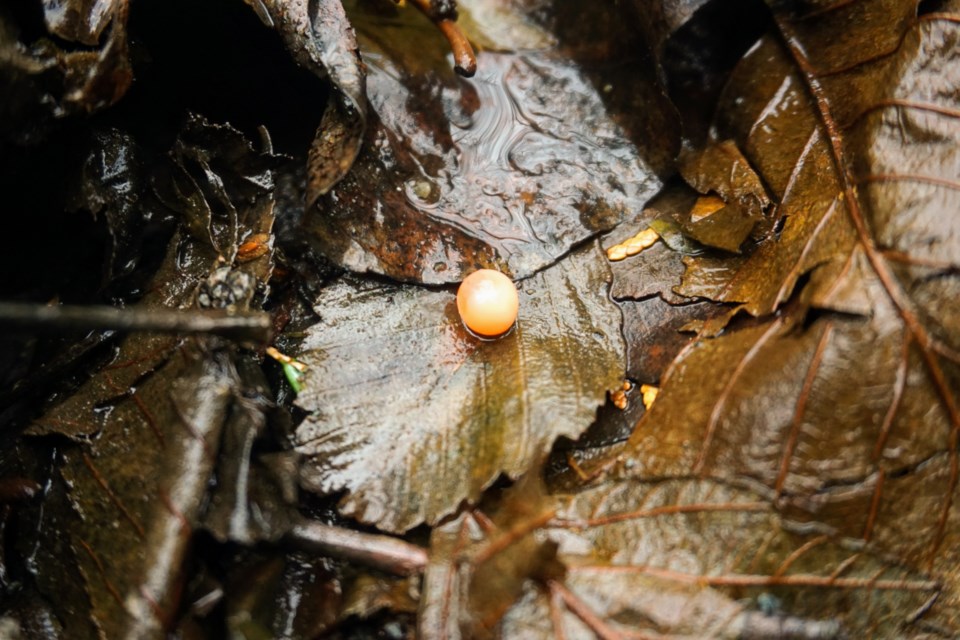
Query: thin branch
point(464, 59)
point(380, 552)
point(444, 15)
point(33, 318)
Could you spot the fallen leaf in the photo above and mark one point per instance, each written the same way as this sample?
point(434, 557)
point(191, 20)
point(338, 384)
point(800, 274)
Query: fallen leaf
point(321, 39)
point(842, 398)
point(509, 170)
point(694, 559)
point(44, 82)
point(392, 369)
point(146, 428)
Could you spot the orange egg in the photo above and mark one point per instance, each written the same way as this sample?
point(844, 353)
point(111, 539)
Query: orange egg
point(487, 301)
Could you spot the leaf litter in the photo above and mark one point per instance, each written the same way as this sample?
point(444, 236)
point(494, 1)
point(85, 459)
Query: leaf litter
point(795, 474)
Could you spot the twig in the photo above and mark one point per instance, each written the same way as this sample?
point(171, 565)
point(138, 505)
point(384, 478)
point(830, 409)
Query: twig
point(444, 15)
point(377, 551)
point(251, 326)
point(464, 59)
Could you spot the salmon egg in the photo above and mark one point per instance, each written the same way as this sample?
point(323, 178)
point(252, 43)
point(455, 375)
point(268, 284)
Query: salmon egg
point(487, 301)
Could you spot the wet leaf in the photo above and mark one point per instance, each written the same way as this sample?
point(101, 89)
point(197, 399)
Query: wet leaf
point(78, 20)
point(411, 414)
point(42, 82)
point(734, 200)
point(256, 492)
point(479, 566)
point(848, 419)
point(190, 269)
point(658, 269)
point(508, 170)
point(321, 39)
point(111, 184)
point(886, 128)
point(147, 428)
point(656, 332)
point(696, 559)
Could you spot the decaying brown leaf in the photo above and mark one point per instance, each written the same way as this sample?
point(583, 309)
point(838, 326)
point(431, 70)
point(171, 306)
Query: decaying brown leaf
point(42, 81)
point(146, 428)
point(695, 559)
point(391, 368)
point(508, 170)
point(321, 39)
point(841, 416)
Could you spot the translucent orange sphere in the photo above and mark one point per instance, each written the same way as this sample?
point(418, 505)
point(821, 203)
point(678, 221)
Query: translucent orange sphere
point(487, 301)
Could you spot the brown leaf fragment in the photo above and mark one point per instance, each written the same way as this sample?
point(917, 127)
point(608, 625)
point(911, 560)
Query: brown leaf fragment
point(720, 168)
point(479, 566)
point(42, 82)
point(658, 269)
point(78, 20)
point(713, 223)
point(653, 272)
point(223, 189)
point(370, 594)
point(320, 38)
point(392, 369)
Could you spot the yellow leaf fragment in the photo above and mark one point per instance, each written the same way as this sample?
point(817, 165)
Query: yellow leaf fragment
point(633, 246)
point(705, 206)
